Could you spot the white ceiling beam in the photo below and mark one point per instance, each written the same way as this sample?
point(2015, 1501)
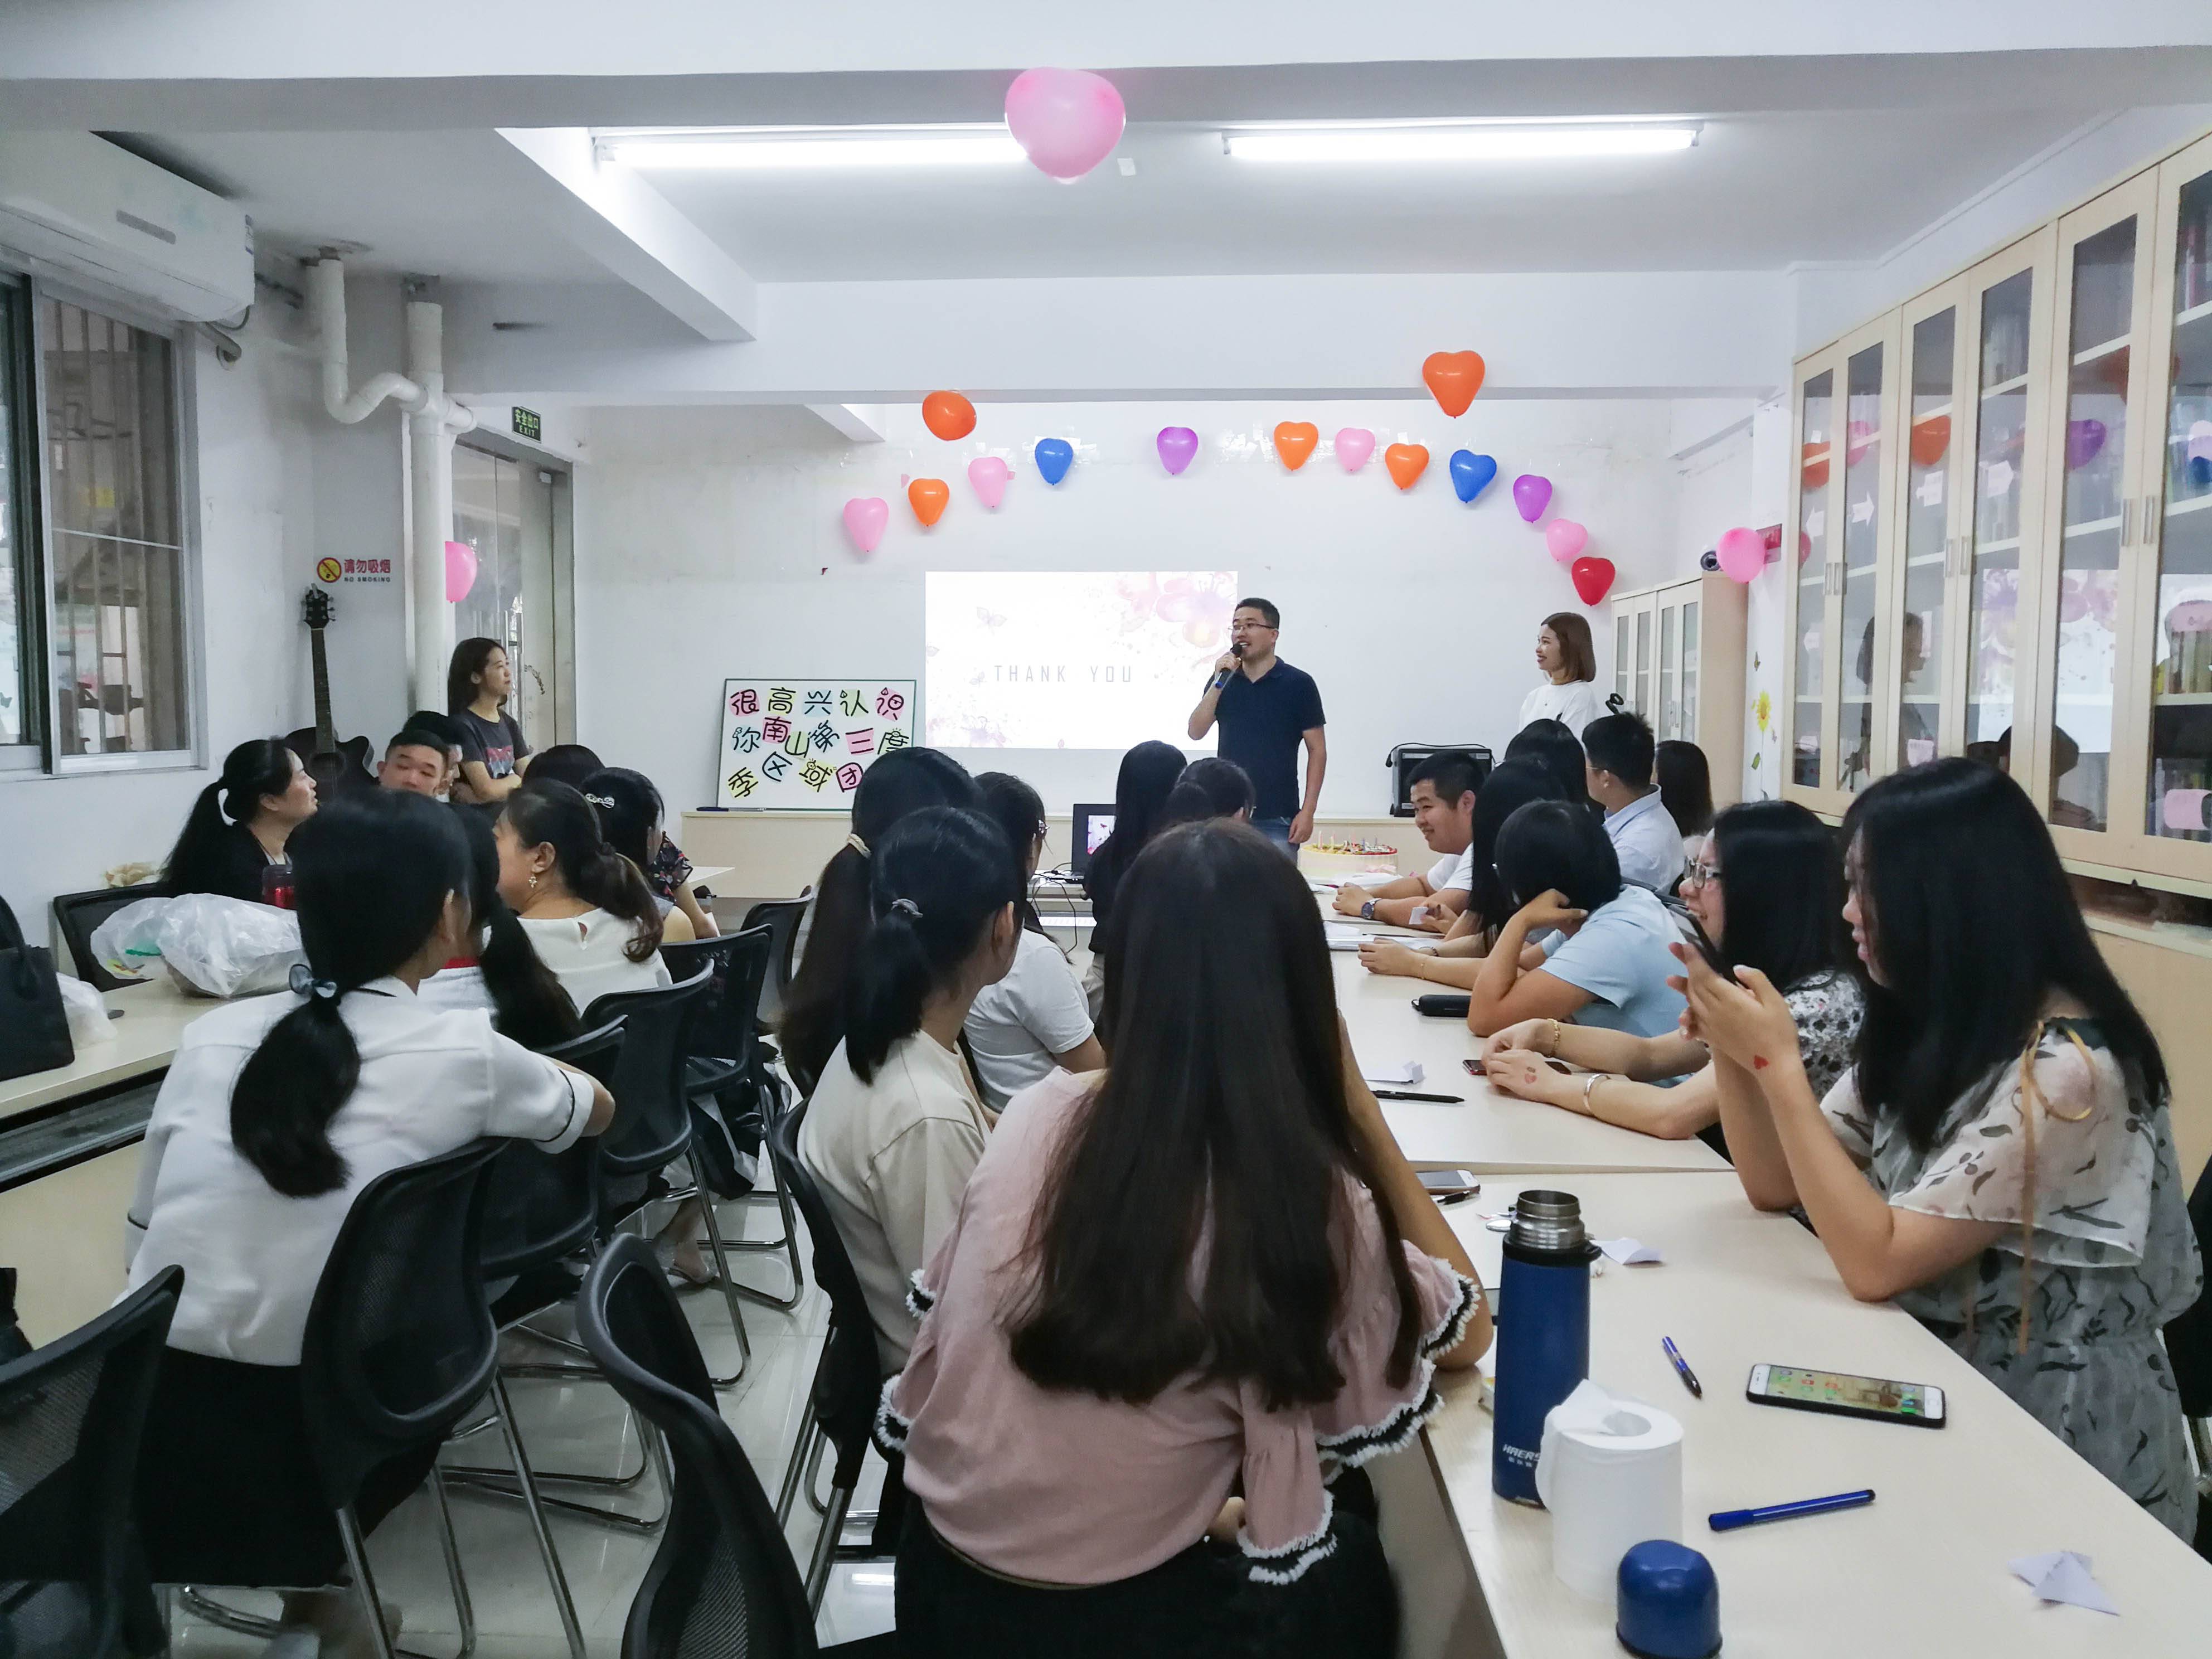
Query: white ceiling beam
point(862, 424)
point(632, 229)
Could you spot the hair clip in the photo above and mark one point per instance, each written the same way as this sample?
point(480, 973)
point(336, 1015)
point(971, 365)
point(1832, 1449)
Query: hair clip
point(304, 983)
point(606, 801)
point(906, 907)
point(859, 846)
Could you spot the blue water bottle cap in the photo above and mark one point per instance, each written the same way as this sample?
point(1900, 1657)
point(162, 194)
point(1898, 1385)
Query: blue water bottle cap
point(1670, 1603)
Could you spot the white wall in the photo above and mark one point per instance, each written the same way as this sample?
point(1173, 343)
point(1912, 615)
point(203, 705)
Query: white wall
point(699, 556)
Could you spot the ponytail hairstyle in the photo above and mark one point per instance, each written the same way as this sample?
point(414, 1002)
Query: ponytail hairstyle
point(905, 780)
point(1018, 812)
point(468, 661)
point(202, 858)
point(554, 815)
point(1210, 788)
point(933, 887)
point(529, 1003)
point(630, 809)
point(371, 876)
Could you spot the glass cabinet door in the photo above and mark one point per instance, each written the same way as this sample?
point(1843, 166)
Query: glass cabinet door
point(1928, 526)
point(1814, 490)
point(1640, 690)
point(1667, 712)
point(1624, 635)
point(1864, 524)
point(1687, 730)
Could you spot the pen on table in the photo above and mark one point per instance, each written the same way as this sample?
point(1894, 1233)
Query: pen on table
point(1682, 1368)
point(1729, 1520)
point(1407, 1094)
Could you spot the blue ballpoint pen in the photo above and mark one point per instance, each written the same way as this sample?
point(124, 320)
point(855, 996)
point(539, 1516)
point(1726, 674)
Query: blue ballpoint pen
point(1729, 1520)
point(1682, 1368)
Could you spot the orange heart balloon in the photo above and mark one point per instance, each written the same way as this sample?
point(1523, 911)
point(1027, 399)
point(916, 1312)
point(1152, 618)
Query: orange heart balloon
point(928, 497)
point(948, 415)
point(1454, 377)
point(1815, 466)
point(1932, 436)
point(1295, 441)
point(1405, 462)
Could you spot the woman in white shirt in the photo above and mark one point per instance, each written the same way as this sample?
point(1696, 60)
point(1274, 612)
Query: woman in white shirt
point(1038, 1016)
point(1568, 661)
point(589, 914)
point(276, 1112)
point(498, 971)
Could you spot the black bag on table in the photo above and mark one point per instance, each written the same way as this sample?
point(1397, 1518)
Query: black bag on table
point(34, 1034)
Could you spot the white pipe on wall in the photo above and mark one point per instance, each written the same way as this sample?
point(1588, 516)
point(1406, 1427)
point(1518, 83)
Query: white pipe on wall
point(436, 420)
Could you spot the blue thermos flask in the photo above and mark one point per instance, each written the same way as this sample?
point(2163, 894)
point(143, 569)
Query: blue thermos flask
point(1543, 1332)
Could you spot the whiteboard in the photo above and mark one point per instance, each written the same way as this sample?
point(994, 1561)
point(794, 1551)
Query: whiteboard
point(795, 745)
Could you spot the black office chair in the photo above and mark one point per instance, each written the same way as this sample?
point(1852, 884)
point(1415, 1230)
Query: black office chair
point(74, 1574)
point(733, 1068)
point(2189, 1351)
point(722, 1580)
point(840, 1404)
point(80, 915)
point(782, 917)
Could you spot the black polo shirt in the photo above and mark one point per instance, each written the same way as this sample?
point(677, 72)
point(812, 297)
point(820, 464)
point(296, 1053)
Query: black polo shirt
point(1261, 721)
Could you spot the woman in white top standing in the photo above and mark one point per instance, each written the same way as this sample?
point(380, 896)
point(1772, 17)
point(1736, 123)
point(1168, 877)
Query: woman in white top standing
point(1568, 661)
point(1038, 1016)
point(589, 914)
point(277, 1111)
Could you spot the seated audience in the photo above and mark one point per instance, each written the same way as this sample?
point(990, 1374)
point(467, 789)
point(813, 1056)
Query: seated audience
point(1148, 775)
point(1210, 788)
point(630, 810)
point(1777, 909)
point(413, 761)
point(669, 873)
point(1037, 1016)
point(1686, 790)
point(495, 754)
point(239, 824)
point(276, 1112)
point(498, 969)
point(812, 1022)
point(1122, 1420)
point(445, 733)
point(1999, 1160)
point(1557, 750)
point(1568, 661)
point(1610, 959)
point(565, 762)
point(1645, 838)
point(1442, 793)
point(584, 906)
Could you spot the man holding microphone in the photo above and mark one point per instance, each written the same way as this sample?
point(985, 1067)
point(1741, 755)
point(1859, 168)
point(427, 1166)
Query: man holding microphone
point(1266, 709)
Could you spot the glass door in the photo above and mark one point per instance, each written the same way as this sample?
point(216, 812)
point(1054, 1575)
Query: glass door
point(1814, 597)
point(504, 509)
point(1931, 527)
point(1868, 413)
point(1686, 727)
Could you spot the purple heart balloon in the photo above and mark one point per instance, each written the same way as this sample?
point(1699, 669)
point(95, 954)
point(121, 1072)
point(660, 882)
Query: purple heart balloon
point(2083, 440)
point(1177, 444)
point(1530, 494)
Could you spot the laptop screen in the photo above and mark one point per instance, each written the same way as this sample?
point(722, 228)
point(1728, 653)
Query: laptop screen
point(1093, 821)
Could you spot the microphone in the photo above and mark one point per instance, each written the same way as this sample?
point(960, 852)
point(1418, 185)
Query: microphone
point(1237, 650)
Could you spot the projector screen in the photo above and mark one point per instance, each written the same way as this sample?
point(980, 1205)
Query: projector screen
point(1070, 659)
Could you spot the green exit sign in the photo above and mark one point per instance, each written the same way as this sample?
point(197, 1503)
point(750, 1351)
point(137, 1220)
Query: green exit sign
point(527, 425)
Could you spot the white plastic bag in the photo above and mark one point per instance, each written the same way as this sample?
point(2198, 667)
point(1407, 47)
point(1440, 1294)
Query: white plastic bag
point(124, 944)
point(224, 947)
point(87, 1014)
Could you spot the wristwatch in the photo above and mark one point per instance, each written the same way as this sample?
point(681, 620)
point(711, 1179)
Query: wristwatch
point(1367, 910)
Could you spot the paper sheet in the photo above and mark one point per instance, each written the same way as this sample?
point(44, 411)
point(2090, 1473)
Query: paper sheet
point(1630, 1252)
point(2064, 1575)
point(1342, 935)
point(1404, 1074)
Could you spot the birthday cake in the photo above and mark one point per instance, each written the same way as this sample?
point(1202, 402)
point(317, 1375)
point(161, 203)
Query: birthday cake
point(1327, 859)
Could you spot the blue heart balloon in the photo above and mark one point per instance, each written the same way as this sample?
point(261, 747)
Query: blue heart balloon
point(1055, 455)
point(1471, 473)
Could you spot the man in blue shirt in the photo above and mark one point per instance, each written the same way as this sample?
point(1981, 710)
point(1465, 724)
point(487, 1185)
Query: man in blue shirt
point(1266, 709)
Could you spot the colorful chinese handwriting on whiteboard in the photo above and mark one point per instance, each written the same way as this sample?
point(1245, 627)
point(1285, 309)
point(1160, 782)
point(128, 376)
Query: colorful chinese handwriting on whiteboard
point(801, 745)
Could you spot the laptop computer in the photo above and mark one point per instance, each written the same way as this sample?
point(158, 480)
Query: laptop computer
point(1092, 822)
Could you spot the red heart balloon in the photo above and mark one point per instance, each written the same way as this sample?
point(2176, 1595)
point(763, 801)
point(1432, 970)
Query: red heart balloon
point(1454, 378)
point(1405, 462)
point(1295, 441)
point(927, 496)
point(1932, 436)
point(949, 414)
point(1593, 578)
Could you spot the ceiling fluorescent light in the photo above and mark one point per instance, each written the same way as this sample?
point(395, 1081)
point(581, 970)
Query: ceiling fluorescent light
point(951, 150)
point(1454, 143)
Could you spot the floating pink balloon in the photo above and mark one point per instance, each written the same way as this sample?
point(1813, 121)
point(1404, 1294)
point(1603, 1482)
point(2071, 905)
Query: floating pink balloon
point(460, 571)
point(1531, 493)
point(1177, 444)
point(1565, 538)
point(864, 518)
point(989, 474)
point(1354, 445)
point(1742, 554)
point(1067, 121)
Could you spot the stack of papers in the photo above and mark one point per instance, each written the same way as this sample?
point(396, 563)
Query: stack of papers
point(1342, 936)
point(1402, 1075)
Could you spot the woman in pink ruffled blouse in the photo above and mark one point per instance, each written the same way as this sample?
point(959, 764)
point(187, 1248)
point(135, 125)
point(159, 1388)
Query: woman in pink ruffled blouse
point(1183, 1299)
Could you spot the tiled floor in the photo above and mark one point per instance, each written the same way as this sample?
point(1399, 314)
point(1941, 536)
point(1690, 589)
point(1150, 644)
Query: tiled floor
point(580, 1425)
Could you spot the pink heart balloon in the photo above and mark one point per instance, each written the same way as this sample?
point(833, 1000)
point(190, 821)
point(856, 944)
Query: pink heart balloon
point(460, 571)
point(1067, 121)
point(1742, 554)
point(1354, 445)
point(989, 474)
point(1177, 444)
point(864, 518)
point(1565, 538)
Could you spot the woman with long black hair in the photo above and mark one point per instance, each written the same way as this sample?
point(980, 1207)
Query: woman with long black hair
point(1149, 772)
point(585, 907)
point(498, 969)
point(1093, 1377)
point(276, 1113)
point(630, 812)
point(495, 754)
point(241, 824)
point(1998, 1159)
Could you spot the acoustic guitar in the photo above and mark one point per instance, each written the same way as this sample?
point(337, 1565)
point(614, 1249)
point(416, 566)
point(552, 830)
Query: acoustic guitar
point(337, 766)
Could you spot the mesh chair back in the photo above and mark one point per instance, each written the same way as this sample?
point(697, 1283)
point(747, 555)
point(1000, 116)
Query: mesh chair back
point(540, 1207)
point(652, 1119)
point(729, 1063)
point(728, 1024)
point(781, 917)
point(80, 915)
point(849, 1379)
point(400, 1340)
point(71, 1414)
point(722, 1583)
point(2188, 1338)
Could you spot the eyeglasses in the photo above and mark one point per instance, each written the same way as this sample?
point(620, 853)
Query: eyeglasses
point(1698, 875)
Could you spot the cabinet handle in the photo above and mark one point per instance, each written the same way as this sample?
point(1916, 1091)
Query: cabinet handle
point(2128, 522)
point(2150, 518)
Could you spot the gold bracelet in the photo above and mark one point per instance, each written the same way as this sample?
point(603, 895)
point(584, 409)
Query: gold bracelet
point(1554, 1049)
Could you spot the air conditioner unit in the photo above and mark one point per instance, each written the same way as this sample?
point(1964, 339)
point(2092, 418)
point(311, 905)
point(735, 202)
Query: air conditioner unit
point(77, 207)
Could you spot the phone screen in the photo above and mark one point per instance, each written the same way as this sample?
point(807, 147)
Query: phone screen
point(1834, 1391)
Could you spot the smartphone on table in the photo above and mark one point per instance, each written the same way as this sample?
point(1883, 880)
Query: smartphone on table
point(1450, 1186)
point(1917, 1403)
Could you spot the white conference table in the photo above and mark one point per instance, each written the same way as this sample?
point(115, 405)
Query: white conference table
point(1921, 1570)
point(154, 1016)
